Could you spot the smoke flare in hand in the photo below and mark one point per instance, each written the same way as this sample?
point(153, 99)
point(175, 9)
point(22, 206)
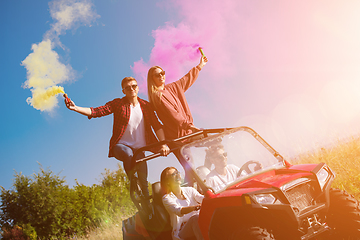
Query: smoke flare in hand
point(201, 51)
point(175, 50)
point(44, 70)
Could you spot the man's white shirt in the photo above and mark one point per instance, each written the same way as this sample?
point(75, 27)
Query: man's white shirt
point(218, 181)
point(134, 134)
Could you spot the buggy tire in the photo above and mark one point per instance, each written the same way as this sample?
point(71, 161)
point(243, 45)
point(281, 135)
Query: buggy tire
point(343, 216)
point(252, 233)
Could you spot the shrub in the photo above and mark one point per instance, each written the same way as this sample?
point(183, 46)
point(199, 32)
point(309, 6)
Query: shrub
point(47, 208)
point(19, 233)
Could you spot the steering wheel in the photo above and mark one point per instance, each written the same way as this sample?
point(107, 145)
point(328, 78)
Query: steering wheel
point(246, 168)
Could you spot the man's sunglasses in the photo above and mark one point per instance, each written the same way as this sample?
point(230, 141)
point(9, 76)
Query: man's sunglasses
point(221, 155)
point(133, 87)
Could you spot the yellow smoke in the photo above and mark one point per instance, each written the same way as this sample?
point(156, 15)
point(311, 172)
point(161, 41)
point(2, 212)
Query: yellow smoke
point(45, 99)
point(44, 69)
point(44, 72)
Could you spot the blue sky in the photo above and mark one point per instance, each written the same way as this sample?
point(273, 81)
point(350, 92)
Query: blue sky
point(101, 55)
point(289, 70)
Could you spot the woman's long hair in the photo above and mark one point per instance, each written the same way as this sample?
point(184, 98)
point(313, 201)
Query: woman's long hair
point(153, 92)
point(164, 179)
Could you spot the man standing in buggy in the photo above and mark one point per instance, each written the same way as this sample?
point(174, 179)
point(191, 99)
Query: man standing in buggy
point(133, 121)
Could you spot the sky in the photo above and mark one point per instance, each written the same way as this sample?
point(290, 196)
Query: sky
point(289, 70)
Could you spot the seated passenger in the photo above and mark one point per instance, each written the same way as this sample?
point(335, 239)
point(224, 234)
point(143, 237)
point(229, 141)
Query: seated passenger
point(182, 204)
point(223, 173)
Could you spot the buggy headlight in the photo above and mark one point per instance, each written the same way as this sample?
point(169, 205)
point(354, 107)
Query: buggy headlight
point(265, 198)
point(322, 176)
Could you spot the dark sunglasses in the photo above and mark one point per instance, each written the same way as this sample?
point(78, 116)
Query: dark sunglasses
point(133, 87)
point(222, 155)
point(176, 172)
point(162, 73)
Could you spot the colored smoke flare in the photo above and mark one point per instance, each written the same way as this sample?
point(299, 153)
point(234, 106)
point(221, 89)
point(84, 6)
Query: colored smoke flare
point(44, 68)
point(45, 99)
point(202, 53)
point(66, 97)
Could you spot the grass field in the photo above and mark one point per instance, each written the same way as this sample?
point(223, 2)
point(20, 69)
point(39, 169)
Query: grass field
point(344, 159)
point(110, 227)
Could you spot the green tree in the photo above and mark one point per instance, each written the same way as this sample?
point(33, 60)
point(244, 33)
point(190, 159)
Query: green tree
point(50, 209)
point(38, 201)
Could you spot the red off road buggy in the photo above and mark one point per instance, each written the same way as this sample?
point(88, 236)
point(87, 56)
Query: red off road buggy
point(270, 199)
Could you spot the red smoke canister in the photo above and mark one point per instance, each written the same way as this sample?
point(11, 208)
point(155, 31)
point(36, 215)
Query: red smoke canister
point(66, 97)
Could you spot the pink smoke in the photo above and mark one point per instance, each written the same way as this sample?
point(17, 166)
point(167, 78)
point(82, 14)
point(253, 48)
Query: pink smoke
point(271, 66)
point(175, 49)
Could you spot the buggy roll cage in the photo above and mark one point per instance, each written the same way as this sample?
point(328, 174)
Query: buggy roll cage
point(178, 142)
point(176, 145)
point(135, 193)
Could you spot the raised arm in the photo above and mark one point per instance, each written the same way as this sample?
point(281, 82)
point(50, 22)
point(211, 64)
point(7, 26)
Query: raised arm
point(203, 61)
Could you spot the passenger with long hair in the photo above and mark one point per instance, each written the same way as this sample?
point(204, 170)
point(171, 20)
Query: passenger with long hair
point(182, 204)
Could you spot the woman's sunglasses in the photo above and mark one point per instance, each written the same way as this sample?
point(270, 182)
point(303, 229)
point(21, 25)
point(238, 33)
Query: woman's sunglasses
point(176, 172)
point(162, 73)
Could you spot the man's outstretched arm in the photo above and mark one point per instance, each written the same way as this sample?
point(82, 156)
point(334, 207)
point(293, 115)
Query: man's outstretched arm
point(82, 110)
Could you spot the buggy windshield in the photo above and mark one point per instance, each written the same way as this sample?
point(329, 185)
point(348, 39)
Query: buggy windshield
point(232, 156)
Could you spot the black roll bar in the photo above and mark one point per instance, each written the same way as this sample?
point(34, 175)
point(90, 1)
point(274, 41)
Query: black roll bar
point(203, 132)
